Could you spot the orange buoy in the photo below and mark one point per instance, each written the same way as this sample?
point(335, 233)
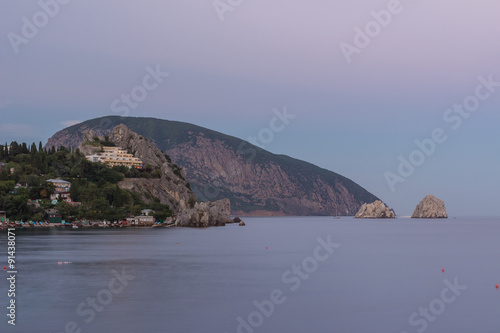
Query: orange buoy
point(4, 267)
point(496, 286)
point(266, 247)
point(442, 270)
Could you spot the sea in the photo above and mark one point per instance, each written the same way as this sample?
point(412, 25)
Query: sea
point(276, 274)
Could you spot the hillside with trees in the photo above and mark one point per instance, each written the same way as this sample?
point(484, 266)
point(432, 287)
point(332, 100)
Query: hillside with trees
point(95, 194)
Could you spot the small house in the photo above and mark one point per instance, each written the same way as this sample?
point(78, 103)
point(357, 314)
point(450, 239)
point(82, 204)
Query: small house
point(145, 220)
point(141, 220)
point(54, 216)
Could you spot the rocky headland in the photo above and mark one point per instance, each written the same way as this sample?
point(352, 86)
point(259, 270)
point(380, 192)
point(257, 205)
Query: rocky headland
point(171, 188)
point(205, 214)
point(219, 166)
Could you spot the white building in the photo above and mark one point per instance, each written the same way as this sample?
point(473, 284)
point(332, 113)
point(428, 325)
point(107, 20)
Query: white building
point(116, 156)
point(62, 190)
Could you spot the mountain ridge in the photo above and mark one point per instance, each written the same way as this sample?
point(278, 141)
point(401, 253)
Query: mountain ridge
point(219, 165)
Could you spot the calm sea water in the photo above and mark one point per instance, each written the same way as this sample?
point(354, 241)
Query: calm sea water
point(384, 275)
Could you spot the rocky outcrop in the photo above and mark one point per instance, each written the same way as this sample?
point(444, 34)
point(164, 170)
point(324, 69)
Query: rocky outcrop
point(138, 145)
point(220, 166)
point(235, 220)
point(89, 136)
point(205, 214)
point(171, 188)
point(375, 210)
point(430, 208)
point(242, 224)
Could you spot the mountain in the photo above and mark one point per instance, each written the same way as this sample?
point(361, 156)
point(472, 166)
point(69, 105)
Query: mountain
point(221, 166)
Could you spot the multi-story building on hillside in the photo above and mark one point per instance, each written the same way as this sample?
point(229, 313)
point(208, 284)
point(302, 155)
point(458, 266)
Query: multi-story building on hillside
point(116, 156)
point(62, 190)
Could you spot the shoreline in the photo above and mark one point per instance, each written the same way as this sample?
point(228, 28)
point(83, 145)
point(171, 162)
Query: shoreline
point(77, 226)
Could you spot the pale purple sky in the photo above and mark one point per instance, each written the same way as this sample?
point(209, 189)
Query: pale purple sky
point(352, 118)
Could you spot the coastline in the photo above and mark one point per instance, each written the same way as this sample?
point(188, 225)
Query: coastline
point(44, 226)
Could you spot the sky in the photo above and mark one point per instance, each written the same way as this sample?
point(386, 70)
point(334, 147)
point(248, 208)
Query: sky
point(361, 81)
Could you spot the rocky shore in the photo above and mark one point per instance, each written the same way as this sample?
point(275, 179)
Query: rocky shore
point(205, 214)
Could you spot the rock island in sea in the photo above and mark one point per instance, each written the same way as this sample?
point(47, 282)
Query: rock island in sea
point(430, 208)
point(375, 210)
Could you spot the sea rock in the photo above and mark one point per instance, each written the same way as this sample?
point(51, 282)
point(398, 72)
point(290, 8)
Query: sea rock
point(242, 224)
point(375, 210)
point(205, 214)
point(430, 208)
point(235, 220)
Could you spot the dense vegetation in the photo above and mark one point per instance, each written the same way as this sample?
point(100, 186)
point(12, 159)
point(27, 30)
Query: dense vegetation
point(25, 192)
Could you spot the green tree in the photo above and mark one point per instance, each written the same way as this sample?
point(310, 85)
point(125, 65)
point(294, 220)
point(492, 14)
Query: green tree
point(67, 211)
point(6, 187)
point(192, 201)
point(136, 210)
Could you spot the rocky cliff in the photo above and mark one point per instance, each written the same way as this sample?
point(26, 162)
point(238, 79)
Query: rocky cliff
point(171, 188)
point(220, 166)
point(205, 214)
point(375, 210)
point(430, 208)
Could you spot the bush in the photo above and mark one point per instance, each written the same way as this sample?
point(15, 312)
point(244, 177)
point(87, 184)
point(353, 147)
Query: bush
point(192, 201)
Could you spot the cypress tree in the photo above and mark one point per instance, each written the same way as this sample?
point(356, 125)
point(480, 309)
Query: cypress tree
point(24, 148)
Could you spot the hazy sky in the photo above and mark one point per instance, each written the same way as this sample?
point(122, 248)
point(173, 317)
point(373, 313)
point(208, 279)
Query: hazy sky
point(362, 90)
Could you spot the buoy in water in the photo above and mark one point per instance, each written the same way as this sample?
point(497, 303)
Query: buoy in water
point(4, 267)
point(496, 286)
point(442, 270)
point(64, 262)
